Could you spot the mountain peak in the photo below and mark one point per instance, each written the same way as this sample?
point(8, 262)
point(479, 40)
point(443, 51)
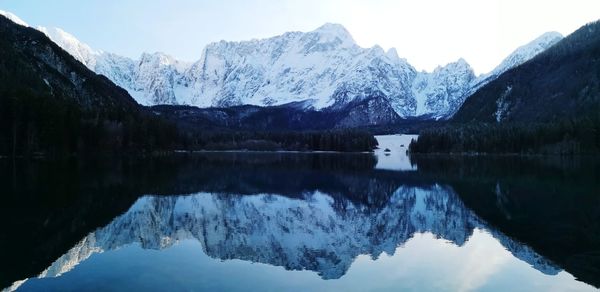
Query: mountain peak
point(462, 61)
point(548, 36)
point(463, 64)
point(459, 65)
point(528, 51)
point(540, 43)
point(334, 30)
point(392, 54)
point(161, 59)
point(293, 67)
point(157, 57)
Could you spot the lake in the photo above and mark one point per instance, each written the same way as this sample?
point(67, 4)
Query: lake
point(299, 221)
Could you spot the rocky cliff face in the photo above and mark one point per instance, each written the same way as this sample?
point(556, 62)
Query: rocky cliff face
point(324, 68)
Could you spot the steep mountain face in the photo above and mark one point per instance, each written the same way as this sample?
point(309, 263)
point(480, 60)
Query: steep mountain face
point(324, 65)
point(561, 82)
point(519, 56)
point(442, 91)
point(43, 68)
point(80, 51)
point(51, 103)
point(314, 233)
point(324, 69)
point(149, 80)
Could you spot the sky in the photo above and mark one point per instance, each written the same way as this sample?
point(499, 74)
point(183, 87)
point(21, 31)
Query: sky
point(428, 33)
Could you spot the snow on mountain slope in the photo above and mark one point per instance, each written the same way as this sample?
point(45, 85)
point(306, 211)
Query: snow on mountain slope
point(155, 78)
point(324, 67)
point(82, 52)
point(13, 18)
point(439, 92)
point(528, 51)
point(521, 55)
point(149, 80)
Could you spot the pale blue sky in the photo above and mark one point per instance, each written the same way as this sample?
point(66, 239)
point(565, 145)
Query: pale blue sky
point(428, 32)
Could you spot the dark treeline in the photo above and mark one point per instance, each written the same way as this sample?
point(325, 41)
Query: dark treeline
point(52, 105)
point(331, 140)
point(33, 124)
point(549, 203)
point(560, 83)
point(576, 136)
point(548, 105)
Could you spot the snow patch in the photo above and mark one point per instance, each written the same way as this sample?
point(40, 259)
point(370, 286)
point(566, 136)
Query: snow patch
point(502, 105)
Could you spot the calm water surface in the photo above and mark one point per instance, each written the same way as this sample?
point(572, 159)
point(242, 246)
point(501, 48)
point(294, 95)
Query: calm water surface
point(277, 222)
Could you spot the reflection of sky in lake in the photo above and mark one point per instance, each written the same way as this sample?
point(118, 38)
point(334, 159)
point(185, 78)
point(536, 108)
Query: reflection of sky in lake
point(424, 263)
point(326, 222)
point(396, 158)
point(421, 239)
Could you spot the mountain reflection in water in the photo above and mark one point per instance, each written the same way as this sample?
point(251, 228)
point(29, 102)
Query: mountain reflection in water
point(315, 212)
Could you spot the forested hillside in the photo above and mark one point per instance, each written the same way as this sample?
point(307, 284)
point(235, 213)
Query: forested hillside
point(550, 104)
point(52, 105)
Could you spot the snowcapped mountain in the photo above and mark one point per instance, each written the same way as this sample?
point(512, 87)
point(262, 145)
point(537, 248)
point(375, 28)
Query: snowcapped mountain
point(521, 55)
point(149, 80)
point(324, 68)
point(316, 232)
point(82, 52)
point(527, 52)
point(439, 92)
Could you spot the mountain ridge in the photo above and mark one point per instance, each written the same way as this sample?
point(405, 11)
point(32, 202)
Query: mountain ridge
point(548, 105)
point(52, 104)
point(324, 67)
point(526, 95)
